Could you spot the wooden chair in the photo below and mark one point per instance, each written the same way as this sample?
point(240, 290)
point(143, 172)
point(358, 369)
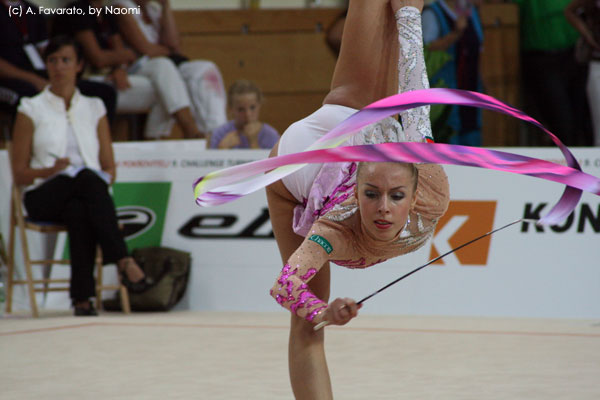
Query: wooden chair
point(24, 223)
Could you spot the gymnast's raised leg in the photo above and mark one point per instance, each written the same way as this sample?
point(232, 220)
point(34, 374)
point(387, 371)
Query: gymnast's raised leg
point(366, 71)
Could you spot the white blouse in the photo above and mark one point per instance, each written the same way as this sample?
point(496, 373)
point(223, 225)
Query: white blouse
point(51, 128)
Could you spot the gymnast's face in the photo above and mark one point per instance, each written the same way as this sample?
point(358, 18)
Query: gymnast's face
point(385, 193)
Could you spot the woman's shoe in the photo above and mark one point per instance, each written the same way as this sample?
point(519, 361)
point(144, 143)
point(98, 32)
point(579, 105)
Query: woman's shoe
point(133, 287)
point(85, 311)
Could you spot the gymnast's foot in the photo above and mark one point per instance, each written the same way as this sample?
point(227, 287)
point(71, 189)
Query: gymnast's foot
point(132, 276)
point(398, 4)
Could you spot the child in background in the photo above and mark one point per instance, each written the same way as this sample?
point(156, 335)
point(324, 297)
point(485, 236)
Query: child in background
point(245, 131)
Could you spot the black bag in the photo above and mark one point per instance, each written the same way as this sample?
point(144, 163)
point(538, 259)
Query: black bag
point(168, 270)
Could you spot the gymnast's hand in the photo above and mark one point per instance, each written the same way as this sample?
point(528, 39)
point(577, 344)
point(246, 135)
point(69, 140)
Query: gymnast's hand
point(341, 311)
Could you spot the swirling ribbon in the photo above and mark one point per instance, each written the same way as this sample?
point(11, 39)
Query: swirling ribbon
point(228, 184)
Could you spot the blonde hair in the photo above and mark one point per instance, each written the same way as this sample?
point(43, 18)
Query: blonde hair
point(243, 86)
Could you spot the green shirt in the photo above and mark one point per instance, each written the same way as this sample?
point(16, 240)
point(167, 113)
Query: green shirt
point(544, 26)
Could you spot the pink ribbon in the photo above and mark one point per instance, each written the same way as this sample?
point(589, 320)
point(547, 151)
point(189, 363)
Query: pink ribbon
point(226, 185)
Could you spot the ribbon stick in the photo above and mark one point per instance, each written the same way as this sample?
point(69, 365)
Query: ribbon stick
point(228, 184)
point(392, 283)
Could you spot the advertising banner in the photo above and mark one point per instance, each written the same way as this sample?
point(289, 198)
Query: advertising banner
point(522, 271)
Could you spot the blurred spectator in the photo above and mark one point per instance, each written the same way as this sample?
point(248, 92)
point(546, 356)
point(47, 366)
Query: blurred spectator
point(553, 82)
point(153, 33)
point(142, 85)
point(584, 15)
point(63, 153)
point(453, 26)
point(22, 71)
point(245, 130)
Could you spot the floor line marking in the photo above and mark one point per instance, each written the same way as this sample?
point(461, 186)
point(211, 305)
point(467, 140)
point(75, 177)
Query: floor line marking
point(355, 329)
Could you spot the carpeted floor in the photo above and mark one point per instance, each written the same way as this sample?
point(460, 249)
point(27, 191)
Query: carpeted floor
point(196, 355)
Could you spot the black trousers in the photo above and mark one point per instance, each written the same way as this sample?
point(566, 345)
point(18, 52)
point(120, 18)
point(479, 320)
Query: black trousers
point(84, 205)
point(11, 91)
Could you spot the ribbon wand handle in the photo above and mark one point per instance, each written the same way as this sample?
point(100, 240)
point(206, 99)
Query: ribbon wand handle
point(325, 323)
point(320, 325)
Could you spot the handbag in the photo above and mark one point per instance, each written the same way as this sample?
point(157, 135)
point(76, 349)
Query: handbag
point(168, 271)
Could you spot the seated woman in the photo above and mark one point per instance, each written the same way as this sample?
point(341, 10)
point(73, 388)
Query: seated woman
point(245, 131)
point(153, 33)
point(154, 85)
point(355, 216)
point(62, 150)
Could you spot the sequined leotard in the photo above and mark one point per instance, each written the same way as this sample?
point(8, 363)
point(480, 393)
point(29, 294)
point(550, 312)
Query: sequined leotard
point(330, 217)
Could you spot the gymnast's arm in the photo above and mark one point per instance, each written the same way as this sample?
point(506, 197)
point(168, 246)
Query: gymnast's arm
point(291, 289)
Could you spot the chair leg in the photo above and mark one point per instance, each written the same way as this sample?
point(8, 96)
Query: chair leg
point(16, 199)
point(29, 273)
point(11, 263)
point(124, 295)
point(125, 306)
point(46, 274)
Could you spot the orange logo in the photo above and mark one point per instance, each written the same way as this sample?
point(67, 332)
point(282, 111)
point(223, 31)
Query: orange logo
point(464, 221)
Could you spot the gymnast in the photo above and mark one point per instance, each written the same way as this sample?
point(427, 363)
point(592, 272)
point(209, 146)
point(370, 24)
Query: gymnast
point(353, 215)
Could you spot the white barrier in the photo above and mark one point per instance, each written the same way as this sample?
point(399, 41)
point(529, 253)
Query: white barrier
point(520, 272)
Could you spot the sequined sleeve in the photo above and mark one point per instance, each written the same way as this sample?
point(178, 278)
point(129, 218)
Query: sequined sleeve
point(412, 74)
point(291, 288)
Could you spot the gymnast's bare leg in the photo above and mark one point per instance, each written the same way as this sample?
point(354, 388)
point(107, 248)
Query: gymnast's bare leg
point(366, 71)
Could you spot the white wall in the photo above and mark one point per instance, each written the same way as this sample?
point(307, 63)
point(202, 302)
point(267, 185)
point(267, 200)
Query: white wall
point(520, 272)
